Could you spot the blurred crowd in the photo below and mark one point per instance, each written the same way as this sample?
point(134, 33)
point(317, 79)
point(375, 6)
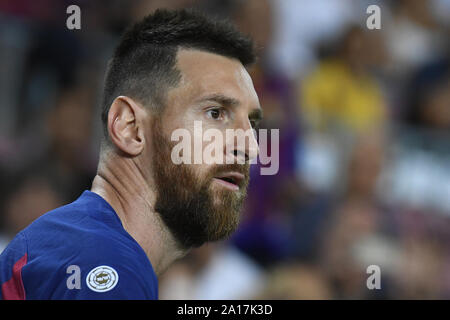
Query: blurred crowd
point(364, 120)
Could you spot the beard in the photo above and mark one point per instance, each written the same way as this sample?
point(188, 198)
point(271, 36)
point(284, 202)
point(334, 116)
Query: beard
point(193, 211)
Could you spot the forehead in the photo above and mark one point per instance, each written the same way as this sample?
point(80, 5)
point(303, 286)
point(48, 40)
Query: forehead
point(203, 73)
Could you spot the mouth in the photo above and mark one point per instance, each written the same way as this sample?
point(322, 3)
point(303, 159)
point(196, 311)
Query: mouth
point(230, 180)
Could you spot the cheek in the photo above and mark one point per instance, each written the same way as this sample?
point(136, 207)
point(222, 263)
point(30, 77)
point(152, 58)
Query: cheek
point(203, 172)
point(199, 175)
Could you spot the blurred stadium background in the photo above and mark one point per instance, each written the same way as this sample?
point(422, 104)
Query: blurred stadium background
point(364, 119)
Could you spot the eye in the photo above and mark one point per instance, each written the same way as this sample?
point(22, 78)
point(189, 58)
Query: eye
point(254, 124)
point(215, 113)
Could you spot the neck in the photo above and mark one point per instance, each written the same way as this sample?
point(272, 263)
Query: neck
point(120, 182)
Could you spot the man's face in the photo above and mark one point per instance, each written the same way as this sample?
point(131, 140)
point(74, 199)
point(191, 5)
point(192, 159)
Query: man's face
point(202, 202)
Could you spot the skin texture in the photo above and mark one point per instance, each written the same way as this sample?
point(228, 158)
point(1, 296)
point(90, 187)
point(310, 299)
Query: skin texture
point(126, 176)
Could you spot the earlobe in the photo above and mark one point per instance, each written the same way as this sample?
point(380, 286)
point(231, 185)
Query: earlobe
point(125, 125)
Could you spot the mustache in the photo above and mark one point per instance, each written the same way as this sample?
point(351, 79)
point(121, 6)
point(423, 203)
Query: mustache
point(243, 169)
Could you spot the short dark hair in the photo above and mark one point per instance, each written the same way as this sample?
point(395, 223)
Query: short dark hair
point(143, 64)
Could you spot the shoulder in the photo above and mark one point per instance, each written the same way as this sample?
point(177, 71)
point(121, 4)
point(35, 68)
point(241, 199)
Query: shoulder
point(75, 254)
point(107, 272)
point(87, 226)
point(92, 264)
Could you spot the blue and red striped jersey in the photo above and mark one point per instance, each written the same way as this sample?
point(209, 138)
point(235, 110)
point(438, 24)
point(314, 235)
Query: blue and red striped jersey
point(78, 251)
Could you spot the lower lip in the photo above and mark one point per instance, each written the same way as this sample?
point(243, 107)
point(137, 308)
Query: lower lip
point(228, 185)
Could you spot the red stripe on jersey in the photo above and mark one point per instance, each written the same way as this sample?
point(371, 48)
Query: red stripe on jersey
point(13, 289)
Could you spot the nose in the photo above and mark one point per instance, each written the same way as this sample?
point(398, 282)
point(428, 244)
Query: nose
point(242, 146)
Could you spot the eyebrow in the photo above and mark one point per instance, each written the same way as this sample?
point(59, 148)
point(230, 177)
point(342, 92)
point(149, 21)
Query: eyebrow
point(255, 114)
point(220, 98)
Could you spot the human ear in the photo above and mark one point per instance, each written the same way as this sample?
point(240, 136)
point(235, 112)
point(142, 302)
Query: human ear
point(125, 125)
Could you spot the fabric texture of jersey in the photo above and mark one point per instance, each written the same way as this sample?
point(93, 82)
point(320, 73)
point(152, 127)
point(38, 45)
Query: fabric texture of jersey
point(78, 251)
